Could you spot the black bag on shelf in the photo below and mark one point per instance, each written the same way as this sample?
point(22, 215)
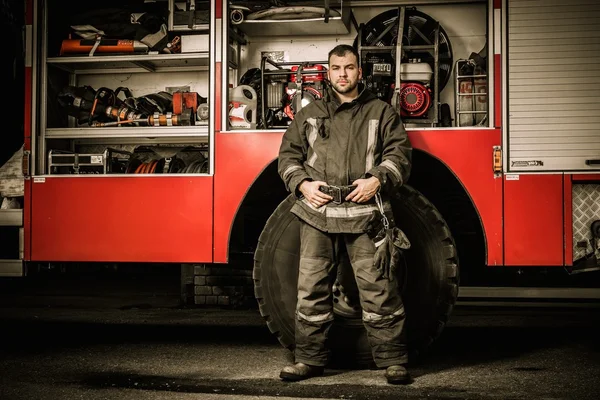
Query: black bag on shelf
point(141, 23)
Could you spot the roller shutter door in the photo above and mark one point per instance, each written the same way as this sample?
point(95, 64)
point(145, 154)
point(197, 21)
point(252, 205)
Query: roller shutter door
point(553, 85)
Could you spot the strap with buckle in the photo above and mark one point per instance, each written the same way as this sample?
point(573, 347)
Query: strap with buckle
point(338, 193)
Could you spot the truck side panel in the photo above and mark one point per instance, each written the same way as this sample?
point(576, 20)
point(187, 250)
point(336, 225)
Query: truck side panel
point(533, 220)
point(474, 171)
point(242, 156)
point(249, 153)
point(122, 219)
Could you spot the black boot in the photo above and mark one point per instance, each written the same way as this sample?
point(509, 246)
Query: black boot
point(397, 375)
point(300, 371)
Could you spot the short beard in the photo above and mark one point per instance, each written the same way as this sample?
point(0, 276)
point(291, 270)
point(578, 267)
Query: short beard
point(345, 90)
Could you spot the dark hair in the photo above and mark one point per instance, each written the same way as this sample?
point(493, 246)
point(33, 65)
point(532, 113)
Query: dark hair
point(341, 50)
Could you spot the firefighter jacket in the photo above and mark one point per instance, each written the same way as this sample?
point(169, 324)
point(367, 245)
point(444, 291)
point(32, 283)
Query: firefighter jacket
point(339, 143)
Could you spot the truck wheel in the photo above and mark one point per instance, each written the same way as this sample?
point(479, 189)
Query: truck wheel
point(429, 292)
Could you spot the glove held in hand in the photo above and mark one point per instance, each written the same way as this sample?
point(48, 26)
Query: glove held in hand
point(390, 244)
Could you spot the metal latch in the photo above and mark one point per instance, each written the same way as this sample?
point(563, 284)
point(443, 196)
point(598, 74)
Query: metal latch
point(497, 161)
point(26, 164)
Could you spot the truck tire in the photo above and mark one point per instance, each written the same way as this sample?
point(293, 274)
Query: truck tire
point(429, 292)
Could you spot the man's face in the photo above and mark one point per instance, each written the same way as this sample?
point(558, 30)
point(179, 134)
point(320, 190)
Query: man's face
point(344, 73)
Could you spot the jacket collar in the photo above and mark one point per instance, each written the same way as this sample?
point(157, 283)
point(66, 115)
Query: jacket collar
point(364, 95)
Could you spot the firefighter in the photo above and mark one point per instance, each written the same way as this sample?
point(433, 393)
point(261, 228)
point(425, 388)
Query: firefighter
point(338, 156)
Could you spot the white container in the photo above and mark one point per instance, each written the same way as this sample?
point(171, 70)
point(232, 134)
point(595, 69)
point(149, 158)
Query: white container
point(242, 107)
point(194, 43)
point(415, 71)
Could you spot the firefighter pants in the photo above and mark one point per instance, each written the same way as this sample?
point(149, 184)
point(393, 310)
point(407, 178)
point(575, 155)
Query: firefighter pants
point(383, 311)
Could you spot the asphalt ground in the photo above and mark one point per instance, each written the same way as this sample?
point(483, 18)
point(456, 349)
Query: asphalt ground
point(109, 337)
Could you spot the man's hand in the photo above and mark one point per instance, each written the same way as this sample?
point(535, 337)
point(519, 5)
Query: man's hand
point(365, 190)
point(310, 190)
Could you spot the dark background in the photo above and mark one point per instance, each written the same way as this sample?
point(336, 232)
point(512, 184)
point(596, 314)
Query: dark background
point(12, 16)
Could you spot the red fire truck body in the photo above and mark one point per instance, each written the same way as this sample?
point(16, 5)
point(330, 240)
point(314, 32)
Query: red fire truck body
point(526, 221)
point(506, 195)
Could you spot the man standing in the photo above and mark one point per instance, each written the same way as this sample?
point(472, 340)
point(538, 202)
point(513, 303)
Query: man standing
point(337, 154)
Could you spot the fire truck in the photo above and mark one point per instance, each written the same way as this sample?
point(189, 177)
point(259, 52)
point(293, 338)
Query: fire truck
point(152, 130)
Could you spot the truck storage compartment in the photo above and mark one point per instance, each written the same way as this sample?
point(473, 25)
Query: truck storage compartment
point(554, 81)
point(116, 75)
point(122, 143)
point(412, 74)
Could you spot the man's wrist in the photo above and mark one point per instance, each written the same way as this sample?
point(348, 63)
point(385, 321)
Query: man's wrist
point(299, 187)
point(375, 173)
point(377, 182)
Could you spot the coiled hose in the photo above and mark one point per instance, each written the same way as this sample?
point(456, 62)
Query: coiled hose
point(173, 165)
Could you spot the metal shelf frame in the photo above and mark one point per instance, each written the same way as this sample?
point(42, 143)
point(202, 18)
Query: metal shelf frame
point(458, 78)
point(11, 217)
point(81, 65)
point(128, 132)
point(10, 267)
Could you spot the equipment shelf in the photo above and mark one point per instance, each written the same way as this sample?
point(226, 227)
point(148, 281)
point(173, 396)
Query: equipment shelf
point(131, 63)
point(13, 267)
point(128, 132)
point(11, 217)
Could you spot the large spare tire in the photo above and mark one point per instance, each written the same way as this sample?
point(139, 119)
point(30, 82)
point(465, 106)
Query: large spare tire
point(429, 292)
